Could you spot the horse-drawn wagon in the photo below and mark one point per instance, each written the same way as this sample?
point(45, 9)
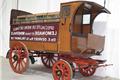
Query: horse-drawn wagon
point(64, 40)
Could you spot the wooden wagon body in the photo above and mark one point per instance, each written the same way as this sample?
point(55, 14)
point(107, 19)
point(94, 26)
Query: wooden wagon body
point(67, 33)
point(58, 33)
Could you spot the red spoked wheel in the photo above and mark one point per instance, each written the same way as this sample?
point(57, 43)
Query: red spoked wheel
point(18, 58)
point(88, 70)
point(49, 59)
point(62, 70)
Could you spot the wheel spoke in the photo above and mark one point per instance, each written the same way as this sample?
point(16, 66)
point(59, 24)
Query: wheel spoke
point(21, 65)
point(63, 77)
point(58, 66)
point(25, 54)
point(14, 62)
point(23, 62)
point(49, 63)
point(54, 59)
point(19, 51)
point(52, 62)
point(16, 65)
point(44, 58)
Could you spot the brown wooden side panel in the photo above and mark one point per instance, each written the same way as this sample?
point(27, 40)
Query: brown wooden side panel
point(77, 24)
point(75, 44)
point(78, 44)
point(86, 29)
point(39, 46)
point(65, 27)
point(64, 39)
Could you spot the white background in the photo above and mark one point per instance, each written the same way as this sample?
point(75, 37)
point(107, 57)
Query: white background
point(108, 25)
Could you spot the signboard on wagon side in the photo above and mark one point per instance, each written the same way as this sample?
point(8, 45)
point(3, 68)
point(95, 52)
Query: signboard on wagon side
point(47, 32)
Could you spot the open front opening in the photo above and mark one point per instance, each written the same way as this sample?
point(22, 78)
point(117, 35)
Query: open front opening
point(82, 21)
point(81, 27)
point(83, 41)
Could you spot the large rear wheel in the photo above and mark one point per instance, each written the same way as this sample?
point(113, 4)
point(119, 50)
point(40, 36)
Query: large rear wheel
point(49, 59)
point(18, 58)
point(62, 70)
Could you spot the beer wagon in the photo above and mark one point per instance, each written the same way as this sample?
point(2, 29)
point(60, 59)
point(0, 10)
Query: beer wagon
point(64, 40)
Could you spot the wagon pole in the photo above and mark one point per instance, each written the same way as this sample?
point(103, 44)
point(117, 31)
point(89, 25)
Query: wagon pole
point(48, 5)
point(104, 3)
point(17, 4)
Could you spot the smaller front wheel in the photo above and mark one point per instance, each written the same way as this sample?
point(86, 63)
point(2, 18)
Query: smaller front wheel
point(62, 70)
point(88, 70)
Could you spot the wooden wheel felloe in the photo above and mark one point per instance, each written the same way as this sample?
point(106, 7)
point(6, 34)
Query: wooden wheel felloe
point(88, 70)
point(49, 59)
point(18, 58)
point(62, 70)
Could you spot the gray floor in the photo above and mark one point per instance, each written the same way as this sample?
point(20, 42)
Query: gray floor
point(37, 72)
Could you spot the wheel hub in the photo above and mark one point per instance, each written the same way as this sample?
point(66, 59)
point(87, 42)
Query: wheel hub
point(15, 57)
point(59, 73)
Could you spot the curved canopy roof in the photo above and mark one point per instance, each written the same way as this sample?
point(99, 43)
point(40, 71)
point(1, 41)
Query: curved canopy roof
point(94, 7)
